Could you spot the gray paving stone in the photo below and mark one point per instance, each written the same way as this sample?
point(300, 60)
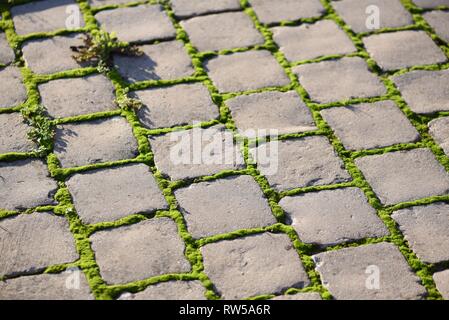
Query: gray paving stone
point(13, 134)
point(271, 12)
point(101, 3)
point(332, 217)
point(261, 264)
point(370, 125)
point(310, 161)
point(299, 296)
point(46, 16)
point(336, 80)
point(309, 41)
point(157, 249)
point(439, 129)
point(176, 105)
point(402, 49)
point(190, 8)
point(207, 215)
point(246, 71)
point(424, 91)
point(431, 3)
point(346, 273)
point(404, 175)
point(442, 282)
point(439, 21)
point(77, 96)
point(12, 91)
point(136, 24)
point(196, 152)
point(218, 31)
point(114, 193)
point(392, 14)
point(255, 115)
point(163, 61)
point(51, 55)
point(6, 53)
point(93, 142)
point(46, 287)
point(425, 229)
point(32, 242)
point(172, 290)
point(25, 184)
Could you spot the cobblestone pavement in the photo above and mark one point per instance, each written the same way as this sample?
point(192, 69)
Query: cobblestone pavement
point(92, 207)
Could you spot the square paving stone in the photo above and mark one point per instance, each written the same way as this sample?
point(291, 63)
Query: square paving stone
point(163, 61)
point(176, 105)
point(299, 296)
point(257, 114)
point(425, 229)
point(336, 80)
point(207, 215)
point(25, 184)
point(190, 8)
point(46, 16)
point(157, 249)
point(403, 49)
point(439, 129)
point(347, 273)
point(219, 31)
point(12, 90)
point(309, 41)
point(31, 242)
point(269, 11)
point(310, 161)
point(95, 141)
point(439, 21)
point(442, 282)
point(254, 265)
point(114, 193)
point(332, 217)
point(370, 125)
point(171, 290)
point(141, 23)
point(77, 96)
point(404, 175)
point(243, 71)
point(6, 53)
point(46, 287)
point(425, 91)
point(51, 55)
point(196, 152)
point(13, 134)
point(431, 3)
point(392, 14)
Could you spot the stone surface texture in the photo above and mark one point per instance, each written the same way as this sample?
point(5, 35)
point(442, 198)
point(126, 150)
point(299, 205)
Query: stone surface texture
point(246, 209)
point(254, 265)
point(345, 273)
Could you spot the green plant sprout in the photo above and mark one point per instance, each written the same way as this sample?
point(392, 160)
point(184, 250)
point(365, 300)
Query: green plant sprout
point(42, 132)
point(127, 103)
point(98, 48)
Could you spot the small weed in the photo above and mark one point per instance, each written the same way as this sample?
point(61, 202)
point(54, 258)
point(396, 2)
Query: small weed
point(42, 132)
point(99, 47)
point(127, 103)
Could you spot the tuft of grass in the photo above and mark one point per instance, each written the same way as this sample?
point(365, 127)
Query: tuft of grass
point(98, 48)
point(42, 131)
